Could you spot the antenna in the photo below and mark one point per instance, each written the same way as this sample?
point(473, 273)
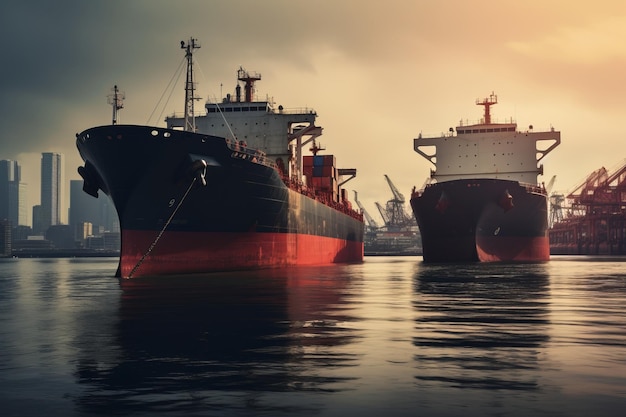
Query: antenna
point(116, 100)
point(190, 121)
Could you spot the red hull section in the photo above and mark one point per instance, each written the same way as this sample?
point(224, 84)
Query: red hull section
point(514, 249)
point(189, 252)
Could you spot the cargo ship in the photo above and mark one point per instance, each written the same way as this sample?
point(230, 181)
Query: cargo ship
point(482, 201)
point(227, 190)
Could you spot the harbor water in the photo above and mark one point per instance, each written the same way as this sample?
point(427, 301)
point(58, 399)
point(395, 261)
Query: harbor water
point(391, 336)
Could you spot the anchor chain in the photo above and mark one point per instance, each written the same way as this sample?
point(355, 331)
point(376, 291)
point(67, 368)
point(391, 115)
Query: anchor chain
point(199, 174)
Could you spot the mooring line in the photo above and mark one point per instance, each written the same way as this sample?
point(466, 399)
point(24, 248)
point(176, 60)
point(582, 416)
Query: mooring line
point(162, 230)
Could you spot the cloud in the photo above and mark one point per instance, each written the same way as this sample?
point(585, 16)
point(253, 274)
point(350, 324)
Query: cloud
point(377, 73)
point(595, 44)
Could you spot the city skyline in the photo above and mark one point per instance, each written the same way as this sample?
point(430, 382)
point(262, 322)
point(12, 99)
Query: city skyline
point(80, 207)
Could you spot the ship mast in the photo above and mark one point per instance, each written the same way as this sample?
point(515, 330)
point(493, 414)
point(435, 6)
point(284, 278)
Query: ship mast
point(487, 103)
point(116, 100)
point(190, 120)
point(249, 78)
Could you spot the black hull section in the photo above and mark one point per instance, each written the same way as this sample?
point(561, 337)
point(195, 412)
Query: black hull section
point(154, 180)
point(482, 220)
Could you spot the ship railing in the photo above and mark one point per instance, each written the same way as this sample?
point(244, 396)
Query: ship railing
point(270, 109)
point(241, 150)
point(533, 188)
point(294, 110)
point(324, 197)
point(481, 121)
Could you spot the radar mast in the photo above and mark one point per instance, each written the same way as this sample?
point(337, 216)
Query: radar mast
point(116, 100)
point(487, 103)
point(190, 88)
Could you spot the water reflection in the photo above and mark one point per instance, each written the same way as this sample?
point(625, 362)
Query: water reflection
point(219, 342)
point(480, 325)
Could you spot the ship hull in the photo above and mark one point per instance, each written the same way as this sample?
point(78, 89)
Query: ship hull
point(482, 220)
point(242, 217)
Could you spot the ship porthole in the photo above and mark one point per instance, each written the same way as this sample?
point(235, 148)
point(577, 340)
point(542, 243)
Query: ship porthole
point(496, 232)
point(154, 132)
point(171, 203)
point(167, 134)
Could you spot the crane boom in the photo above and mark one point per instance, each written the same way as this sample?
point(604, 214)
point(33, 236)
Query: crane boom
point(372, 223)
point(397, 195)
point(383, 213)
point(550, 184)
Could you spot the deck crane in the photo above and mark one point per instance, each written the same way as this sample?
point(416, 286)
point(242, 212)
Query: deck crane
point(370, 221)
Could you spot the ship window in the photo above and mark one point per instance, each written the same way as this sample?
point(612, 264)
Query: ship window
point(475, 131)
point(245, 109)
point(211, 110)
point(489, 130)
point(482, 130)
point(237, 109)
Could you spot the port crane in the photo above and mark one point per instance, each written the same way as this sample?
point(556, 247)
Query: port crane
point(394, 213)
point(595, 220)
point(399, 235)
point(370, 221)
point(556, 202)
point(383, 213)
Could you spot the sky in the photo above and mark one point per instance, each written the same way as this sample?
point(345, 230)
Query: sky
point(377, 73)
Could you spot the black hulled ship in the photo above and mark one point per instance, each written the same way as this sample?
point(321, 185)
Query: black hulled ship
point(227, 190)
point(482, 201)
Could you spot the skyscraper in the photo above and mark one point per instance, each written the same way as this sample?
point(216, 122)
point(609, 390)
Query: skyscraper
point(12, 193)
point(51, 189)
